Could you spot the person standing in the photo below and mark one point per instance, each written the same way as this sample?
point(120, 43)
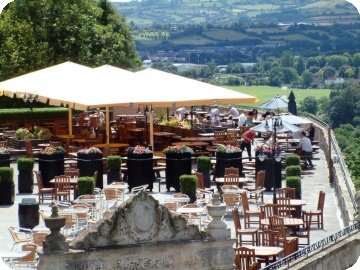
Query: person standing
point(306, 148)
point(233, 111)
point(182, 112)
point(247, 139)
point(101, 117)
point(214, 111)
point(242, 119)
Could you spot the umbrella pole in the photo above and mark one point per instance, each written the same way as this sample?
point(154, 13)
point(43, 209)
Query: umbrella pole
point(107, 120)
point(70, 121)
point(151, 124)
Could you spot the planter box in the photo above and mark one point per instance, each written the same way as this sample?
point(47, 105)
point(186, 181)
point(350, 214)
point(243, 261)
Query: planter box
point(140, 170)
point(226, 160)
point(271, 170)
point(5, 160)
point(20, 144)
point(176, 165)
point(7, 194)
point(90, 163)
point(51, 166)
point(25, 181)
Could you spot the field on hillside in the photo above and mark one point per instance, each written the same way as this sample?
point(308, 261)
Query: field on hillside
point(264, 93)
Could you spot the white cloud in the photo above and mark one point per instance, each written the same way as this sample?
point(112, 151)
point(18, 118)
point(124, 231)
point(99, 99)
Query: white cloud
point(356, 3)
point(3, 3)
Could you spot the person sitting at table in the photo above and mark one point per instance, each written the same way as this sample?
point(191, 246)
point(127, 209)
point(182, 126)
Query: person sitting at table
point(230, 121)
point(232, 111)
point(214, 111)
point(249, 119)
point(247, 139)
point(215, 121)
point(296, 135)
point(306, 148)
point(256, 115)
point(311, 132)
point(242, 119)
point(183, 112)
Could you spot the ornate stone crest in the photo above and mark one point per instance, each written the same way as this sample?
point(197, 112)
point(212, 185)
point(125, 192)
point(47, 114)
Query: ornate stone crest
point(139, 220)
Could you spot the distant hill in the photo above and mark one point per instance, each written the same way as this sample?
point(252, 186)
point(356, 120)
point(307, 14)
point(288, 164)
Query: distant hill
point(182, 12)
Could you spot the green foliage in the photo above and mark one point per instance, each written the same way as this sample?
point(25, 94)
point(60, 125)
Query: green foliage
point(293, 171)
point(114, 162)
point(292, 104)
point(310, 105)
point(42, 133)
point(37, 113)
point(86, 185)
point(336, 61)
point(25, 164)
point(39, 33)
point(23, 134)
point(7, 175)
point(188, 184)
point(292, 160)
point(294, 182)
point(203, 163)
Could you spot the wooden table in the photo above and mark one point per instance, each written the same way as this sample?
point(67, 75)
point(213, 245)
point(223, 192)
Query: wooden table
point(197, 139)
point(163, 138)
point(265, 252)
point(220, 182)
point(288, 222)
point(66, 138)
point(73, 184)
point(111, 145)
point(189, 210)
point(296, 203)
point(209, 134)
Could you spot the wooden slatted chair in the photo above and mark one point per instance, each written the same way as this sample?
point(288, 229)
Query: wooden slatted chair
point(257, 191)
point(304, 232)
point(318, 213)
point(245, 259)
point(43, 191)
point(287, 193)
point(268, 210)
point(230, 201)
point(231, 179)
point(248, 214)
point(283, 207)
point(62, 187)
point(291, 246)
point(239, 232)
point(231, 138)
point(219, 137)
point(28, 260)
point(231, 170)
point(20, 236)
point(268, 238)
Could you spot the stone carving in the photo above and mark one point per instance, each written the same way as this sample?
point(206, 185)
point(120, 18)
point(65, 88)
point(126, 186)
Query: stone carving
point(140, 220)
point(217, 228)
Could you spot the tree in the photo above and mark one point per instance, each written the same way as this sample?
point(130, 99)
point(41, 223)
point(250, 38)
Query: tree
point(37, 33)
point(307, 78)
point(287, 60)
point(336, 61)
point(289, 75)
point(292, 104)
point(328, 72)
point(310, 105)
point(300, 66)
point(356, 59)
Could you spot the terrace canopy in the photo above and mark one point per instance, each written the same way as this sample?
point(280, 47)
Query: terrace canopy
point(80, 87)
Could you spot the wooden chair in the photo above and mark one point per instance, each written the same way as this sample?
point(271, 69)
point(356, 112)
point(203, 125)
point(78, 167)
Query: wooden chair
point(172, 206)
point(276, 223)
point(62, 187)
point(20, 236)
point(318, 213)
point(231, 138)
point(239, 232)
point(245, 259)
point(287, 193)
point(290, 246)
point(72, 172)
point(200, 180)
point(283, 207)
point(28, 260)
point(268, 210)
point(30, 153)
point(231, 179)
point(304, 232)
point(268, 238)
point(230, 201)
point(231, 170)
point(43, 190)
point(257, 191)
point(55, 144)
point(219, 137)
point(248, 214)
point(39, 238)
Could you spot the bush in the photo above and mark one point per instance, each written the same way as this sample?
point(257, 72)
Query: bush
point(114, 162)
point(86, 185)
point(7, 175)
point(293, 171)
point(42, 133)
point(23, 134)
point(203, 163)
point(25, 164)
point(294, 182)
point(292, 160)
point(188, 184)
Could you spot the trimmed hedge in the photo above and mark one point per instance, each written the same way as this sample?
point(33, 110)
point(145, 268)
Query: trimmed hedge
point(292, 160)
point(37, 113)
point(7, 175)
point(203, 163)
point(114, 162)
point(25, 164)
point(86, 185)
point(188, 184)
point(294, 182)
point(293, 171)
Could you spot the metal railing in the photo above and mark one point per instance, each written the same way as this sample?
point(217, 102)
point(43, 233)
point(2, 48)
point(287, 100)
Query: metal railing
point(337, 151)
point(321, 244)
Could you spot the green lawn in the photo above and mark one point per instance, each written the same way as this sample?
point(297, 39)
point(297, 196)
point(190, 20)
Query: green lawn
point(264, 93)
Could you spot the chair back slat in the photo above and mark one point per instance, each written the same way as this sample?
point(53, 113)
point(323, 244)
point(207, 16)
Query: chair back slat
point(321, 201)
point(232, 170)
point(39, 180)
point(231, 179)
point(245, 258)
point(287, 192)
point(62, 183)
point(244, 201)
point(283, 207)
point(72, 172)
point(276, 223)
point(219, 137)
point(268, 238)
point(260, 179)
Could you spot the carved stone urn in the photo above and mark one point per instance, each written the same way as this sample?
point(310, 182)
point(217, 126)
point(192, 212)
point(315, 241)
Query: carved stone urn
point(55, 241)
point(217, 228)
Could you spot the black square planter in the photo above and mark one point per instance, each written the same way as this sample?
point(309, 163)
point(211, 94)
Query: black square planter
point(226, 160)
point(88, 164)
point(272, 169)
point(51, 166)
point(140, 170)
point(177, 164)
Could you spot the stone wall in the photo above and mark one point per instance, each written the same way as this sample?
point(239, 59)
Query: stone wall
point(342, 194)
point(338, 257)
point(201, 254)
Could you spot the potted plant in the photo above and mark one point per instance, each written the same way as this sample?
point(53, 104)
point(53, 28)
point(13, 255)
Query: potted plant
point(26, 176)
point(89, 161)
point(4, 157)
point(292, 160)
point(293, 171)
point(86, 185)
point(294, 182)
point(140, 166)
point(188, 184)
point(51, 163)
point(114, 164)
point(204, 166)
point(23, 134)
point(227, 156)
point(7, 186)
point(178, 162)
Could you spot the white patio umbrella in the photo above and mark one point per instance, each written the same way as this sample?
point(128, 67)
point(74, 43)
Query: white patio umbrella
point(267, 125)
point(295, 120)
point(275, 104)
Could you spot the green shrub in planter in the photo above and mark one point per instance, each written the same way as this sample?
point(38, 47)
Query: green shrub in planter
point(204, 166)
point(25, 176)
point(293, 171)
point(86, 185)
point(188, 184)
point(294, 182)
point(292, 160)
point(7, 187)
point(25, 164)
point(114, 162)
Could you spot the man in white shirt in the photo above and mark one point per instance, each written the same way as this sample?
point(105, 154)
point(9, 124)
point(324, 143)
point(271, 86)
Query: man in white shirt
point(233, 111)
point(182, 111)
point(214, 111)
point(242, 119)
point(306, 148)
